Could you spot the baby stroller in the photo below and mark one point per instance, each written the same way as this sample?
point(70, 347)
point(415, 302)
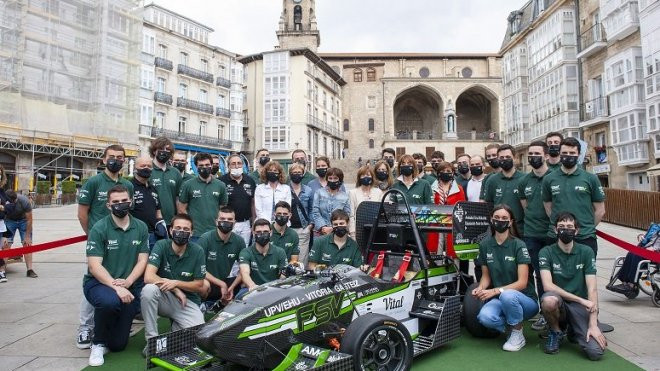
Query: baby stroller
point(636, 273)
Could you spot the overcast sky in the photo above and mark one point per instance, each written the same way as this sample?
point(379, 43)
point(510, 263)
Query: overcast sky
point(458, 26)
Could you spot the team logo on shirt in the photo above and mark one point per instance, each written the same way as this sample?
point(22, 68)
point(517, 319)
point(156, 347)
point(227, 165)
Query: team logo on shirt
point(600, 189)
point(212, 255)
point(288, 244)
point(216, 194)
point(186, 274)
point(172, 181)
point(346, 260)
point(273, 266)
point(579, 266)
point(416, 196)
point(153, 256)
point(136, 242)
point(155, 182)
point(581, 188)
point(113, 244)
point(555, 189)
point(254, 265)
point(498, 192)
point(556, 266)
point(529, 191)
point(197, 193)
point(509, 259)
point(326, 257)
point(231, 256)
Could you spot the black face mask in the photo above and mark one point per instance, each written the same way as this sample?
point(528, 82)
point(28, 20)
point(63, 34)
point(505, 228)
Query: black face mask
point(296, 178)
point(500, 226)
point(366, 181)
point(262, 238)
point(180, 238)
point(215, 169)
point(281, 220)
point(390, 161)
point(144, 172)
point(272, 176)
point(406, 170)
point(181, 166)
point(340, 231)
point(204, 172)
point(225, 226)
point(163, 156)
point(535, 161)
point(382, 175)
point(446, 177)
point(506, 164)
point(334, 185)
point(121, 209)
point(553, 150)
point(568, 162)
point(494, 163)
point(113, 165)
point(476, 170)
point(264, 160)
point(463, 169)
point(321, 172)
point(566, 235)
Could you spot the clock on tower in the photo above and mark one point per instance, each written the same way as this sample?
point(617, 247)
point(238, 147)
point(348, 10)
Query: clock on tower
point(298, 28)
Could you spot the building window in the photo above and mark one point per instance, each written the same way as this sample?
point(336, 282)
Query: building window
point(345, 143)
point(325, 146)
point(205, 65)
point(160, 85)
point(160, 120)
point(222, 71)
point(371, 143)
point(346, 124)
point(325, 118)
point(147, 80)
point(371, 74)
point(221, 131)
point(182, 125)
point(146, 114)
point(466, 72)
point(183, 91)
point(183, 58)
point(309, 140)
point(276, 137)
point(221, 101)
point(357, 75)
point(203, 95)
point(371, 124)
point(202, 128)
point(162, 51)
point(424, 72)
point(148, 44)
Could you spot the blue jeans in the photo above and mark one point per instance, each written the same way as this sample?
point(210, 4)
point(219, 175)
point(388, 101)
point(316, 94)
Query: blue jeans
point(512, 307)
point(534, 245)
point(14, 226)
point(152, 240)
point(112, 318)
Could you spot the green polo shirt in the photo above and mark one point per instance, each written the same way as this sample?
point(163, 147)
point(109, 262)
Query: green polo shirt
point(536, 220)
point(167, 184)
point(568, 270)
point(554, 167)
point(255, 175)
point(308, 177)
point(430, 178)
point(288, 241)
point(503, 190)
point(220, 255)
point(574, 193)
point(482, 193)
point(186, 177)
point(263, 268)
point(419, 192)
point(119, 248)
point(94, 193)
point(503, 260)
point(325, 251)
point(188, 267)
point(204, 200)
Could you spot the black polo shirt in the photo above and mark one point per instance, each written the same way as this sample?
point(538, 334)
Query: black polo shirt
point(240, 195)
point(145, 203)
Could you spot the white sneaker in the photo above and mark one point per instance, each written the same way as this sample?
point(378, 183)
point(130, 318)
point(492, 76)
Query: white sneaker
point(515, 342)
point(96, 356)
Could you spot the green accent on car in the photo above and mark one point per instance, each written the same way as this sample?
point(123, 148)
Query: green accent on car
point(290, 358)
point(322, 358)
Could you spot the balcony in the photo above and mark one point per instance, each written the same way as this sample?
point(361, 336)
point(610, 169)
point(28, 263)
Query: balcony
point(635, 153)
point(175, 135)
point(594, 112)
point(163, 98)
point(194, 73)
point(620, 18)
point(194, 105)
point(221, 81)
point(592, 40)
point(163, 63)
point(328, 129)
point(461, 135)
point(222, 112)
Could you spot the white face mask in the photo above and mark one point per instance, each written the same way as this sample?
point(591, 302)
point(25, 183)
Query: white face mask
point(236, 172)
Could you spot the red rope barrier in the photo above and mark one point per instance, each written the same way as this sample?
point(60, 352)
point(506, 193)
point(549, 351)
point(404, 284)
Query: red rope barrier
point(41, 247)
point(644, 253)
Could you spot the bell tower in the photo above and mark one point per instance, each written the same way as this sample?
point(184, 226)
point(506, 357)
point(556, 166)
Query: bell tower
point(298, 28)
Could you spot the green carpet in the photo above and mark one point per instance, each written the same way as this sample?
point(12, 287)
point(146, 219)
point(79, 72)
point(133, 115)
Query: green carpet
point(465, 353)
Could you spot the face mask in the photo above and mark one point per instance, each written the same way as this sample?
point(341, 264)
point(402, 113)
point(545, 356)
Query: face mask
point(446, 177)
point(390, 161)
point(180, 237)
point(236, 172)
point(225, 226)
point(264, 160)
point(569, 162)
point(535, 161)
point(406, 170)
point(381, 175)
point(262, 238)
point(553, 150)
point(181, 166)
point(334, 185)
point(463, 169)
point(420, 168)
point(144, 173)
point(506, 164)
point(215, 169)
point(163, 156)
point(476, 170)
point(113, 165)
point(296, 178)
point(366, 181)
point(500, 225)
point(281, 220)
point(494, 163)
point(566, 235)
point(321, 172)
point(121, 209)
point(340, 231)
point(272, 176)
point(204, 172)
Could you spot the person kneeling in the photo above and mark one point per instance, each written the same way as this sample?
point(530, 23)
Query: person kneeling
point(174, 277)
point(568, 273)
point(505, 266)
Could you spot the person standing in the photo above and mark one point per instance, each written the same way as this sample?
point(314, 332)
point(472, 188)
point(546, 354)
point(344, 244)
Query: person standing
point(388, 155)
point(463, 170)
point(329, 199)
point(417, 191)
point(420, 162)
point(553, 140)
point(446, 191)
point(215, 168)
point(473, 189)
point(3, 228)
point(301, 210)
point(271, 191)
point(240, 195)
point(18, 219)
point(364, 191)
point(493, 165)
point(299, 156)
point(384, 179)
point(165, 179)
point(262, 158)
point(146, 203)
point(322, 166)
point(180, 162)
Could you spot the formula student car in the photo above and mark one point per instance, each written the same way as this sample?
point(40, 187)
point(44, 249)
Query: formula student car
point(339, 318)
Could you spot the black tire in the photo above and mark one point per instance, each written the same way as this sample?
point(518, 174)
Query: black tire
point(633, 293)
point(471, 308)
point(656, 297)
point(378, 342)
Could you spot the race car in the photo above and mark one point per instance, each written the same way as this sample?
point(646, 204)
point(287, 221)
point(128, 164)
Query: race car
point(339, 317)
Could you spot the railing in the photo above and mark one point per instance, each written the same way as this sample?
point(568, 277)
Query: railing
point(461, 135)
point(221, 81)
point(592, 35)
point(595, 108)
point(194, 73)
point(477, 135)
point(219, 111)
point(163, 97)
point(155, 132)
point(635, 209)
point(163, 63)
point(317, 123)
point(194, 105)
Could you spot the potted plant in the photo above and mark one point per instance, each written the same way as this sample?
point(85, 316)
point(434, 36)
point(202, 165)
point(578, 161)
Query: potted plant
point(68, 192)
point(43, 193)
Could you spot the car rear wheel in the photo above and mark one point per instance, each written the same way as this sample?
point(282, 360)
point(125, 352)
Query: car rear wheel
point(471, 308)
